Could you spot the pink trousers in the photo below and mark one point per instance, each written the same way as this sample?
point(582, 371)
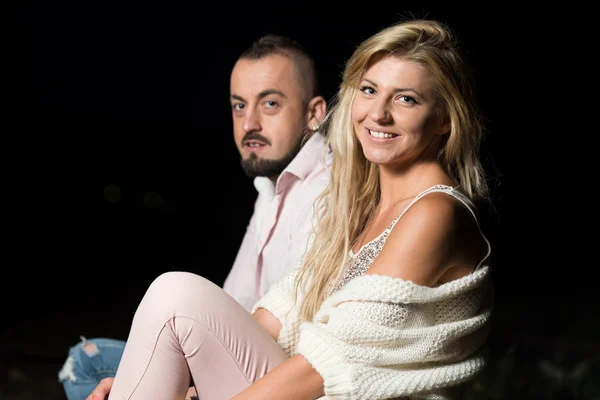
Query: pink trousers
point(186, 326)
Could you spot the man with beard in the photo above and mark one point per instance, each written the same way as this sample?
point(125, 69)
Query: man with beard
point(276, 112)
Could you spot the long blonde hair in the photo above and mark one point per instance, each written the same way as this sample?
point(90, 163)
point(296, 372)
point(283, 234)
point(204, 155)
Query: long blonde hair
point(353, 193)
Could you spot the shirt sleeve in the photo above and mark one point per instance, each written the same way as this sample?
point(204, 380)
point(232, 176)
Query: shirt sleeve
point(241, 282)
point(301, 232)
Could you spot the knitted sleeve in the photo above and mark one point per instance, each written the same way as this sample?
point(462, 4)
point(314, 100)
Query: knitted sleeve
point(380, 349)
point(279, 301)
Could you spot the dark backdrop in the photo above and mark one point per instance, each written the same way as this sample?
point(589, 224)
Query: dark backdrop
point(125, 167)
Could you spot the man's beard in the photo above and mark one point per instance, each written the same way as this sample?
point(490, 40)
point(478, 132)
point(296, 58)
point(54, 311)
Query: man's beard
point(255, 166)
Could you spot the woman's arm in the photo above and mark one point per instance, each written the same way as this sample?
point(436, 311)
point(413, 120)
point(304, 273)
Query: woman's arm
point(435, 241)
point(295, 379)
point(268, 321)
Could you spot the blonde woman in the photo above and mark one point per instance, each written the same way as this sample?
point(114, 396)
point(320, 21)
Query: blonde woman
point(393, 298)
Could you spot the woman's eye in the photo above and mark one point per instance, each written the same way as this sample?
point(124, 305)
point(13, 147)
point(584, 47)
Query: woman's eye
point(407, 99)
point(367, 90)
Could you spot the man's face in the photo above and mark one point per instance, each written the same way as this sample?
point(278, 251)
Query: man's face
point(269, 113)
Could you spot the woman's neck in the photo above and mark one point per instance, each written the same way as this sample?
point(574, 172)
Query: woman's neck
point(397, 185)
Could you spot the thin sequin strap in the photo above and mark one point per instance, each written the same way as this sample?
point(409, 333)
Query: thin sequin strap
point(449, 190)
point(438, 188)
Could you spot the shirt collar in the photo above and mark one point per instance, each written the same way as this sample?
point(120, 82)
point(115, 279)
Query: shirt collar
point(307, 158)
point(264, 186)
point(300, 167)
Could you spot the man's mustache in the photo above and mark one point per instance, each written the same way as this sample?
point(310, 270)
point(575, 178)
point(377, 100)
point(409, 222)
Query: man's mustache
point(255, 136)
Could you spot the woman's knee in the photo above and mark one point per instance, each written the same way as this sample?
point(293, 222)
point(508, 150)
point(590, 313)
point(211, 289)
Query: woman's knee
point(180, 282)
point(174, 289)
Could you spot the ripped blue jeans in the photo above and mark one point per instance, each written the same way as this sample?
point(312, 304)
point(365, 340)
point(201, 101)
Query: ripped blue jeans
point(89, 362)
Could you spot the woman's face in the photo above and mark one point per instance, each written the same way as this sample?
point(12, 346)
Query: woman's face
point(395, 113)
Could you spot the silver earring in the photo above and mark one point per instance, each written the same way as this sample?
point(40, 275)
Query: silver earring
point(315, 127)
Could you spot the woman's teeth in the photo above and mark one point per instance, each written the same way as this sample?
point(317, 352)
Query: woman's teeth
point(382, 135)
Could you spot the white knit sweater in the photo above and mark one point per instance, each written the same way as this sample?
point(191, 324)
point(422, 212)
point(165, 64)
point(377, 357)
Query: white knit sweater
point(382, 338)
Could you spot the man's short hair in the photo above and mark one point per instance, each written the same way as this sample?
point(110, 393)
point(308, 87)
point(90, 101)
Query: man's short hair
point(271, 44)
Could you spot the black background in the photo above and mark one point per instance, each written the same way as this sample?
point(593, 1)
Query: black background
point(125, 166)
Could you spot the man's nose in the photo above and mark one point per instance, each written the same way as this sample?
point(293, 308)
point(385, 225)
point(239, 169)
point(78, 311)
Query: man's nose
point(251, 122)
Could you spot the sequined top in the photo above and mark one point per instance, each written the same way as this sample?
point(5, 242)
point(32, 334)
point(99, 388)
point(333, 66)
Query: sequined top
point(360, 262)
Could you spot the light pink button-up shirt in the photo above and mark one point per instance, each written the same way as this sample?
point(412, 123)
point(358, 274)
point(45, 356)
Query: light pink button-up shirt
point(276, 236)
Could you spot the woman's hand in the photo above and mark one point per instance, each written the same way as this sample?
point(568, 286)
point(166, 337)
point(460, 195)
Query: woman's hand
point(102, 390)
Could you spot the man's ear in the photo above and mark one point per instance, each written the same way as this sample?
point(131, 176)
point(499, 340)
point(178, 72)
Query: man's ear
point(317, 107)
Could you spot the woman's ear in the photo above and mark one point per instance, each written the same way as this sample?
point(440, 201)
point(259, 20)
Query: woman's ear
point(444, 123)
point(444, 128)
